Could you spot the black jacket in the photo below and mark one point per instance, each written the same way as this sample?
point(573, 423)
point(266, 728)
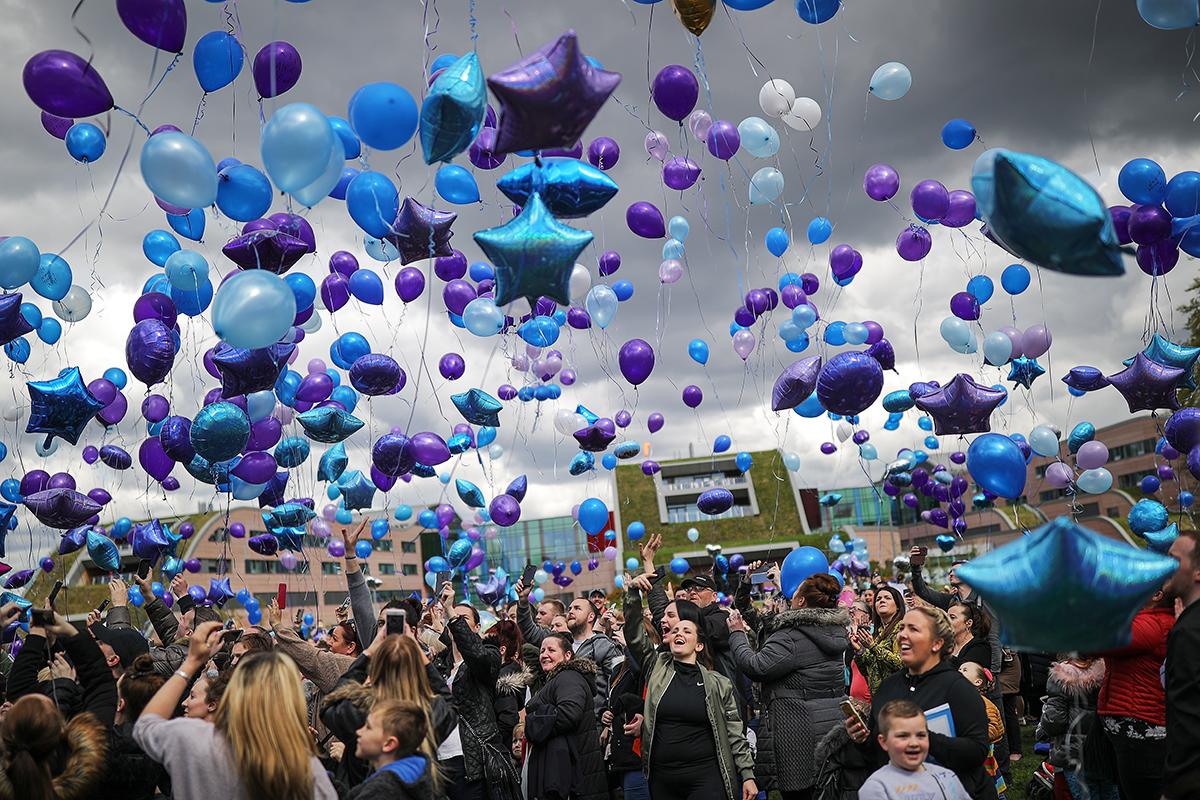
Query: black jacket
point(473, 691)
point(132, 775)
point(560, 723)
point(1182, 777)
point(977, 650)
point(963, 753)
point(625, 700)
point(511, 683)
point(716, 631)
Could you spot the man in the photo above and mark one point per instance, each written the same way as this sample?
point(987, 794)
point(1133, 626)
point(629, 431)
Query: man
point(1181, 778)
point(172, 632)
point(120, 647)
point(547, 610)
point(247, 643)
point(599, 599)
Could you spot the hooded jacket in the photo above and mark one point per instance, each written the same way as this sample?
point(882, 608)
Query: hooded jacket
point(803, 681)
point(1132, 686)
point(1067, 713)
point(514, 678)
point(1182, 773)
point(560, 723)
point(598, 648)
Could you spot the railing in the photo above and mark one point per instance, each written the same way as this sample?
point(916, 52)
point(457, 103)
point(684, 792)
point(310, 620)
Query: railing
point(701, 484)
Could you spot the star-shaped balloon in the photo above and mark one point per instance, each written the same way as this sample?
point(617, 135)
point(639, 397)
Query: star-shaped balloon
point(548, 98)
point(830, 499)
point(149, 540)
point(533, 255)
point(1166, 352)
point(333, 463)
point(1095, 584)
point(273, 494)
point(961, 406)
point(1161, 541)
point(73, 540)
point(795, 384)
point(103, 552)
point(478, 407)
point(246, 371)
point(61, 407)
point(7, 510)
point(517, 488)
point(13, 324)
point(459, 443)
point(420, 232)
point(290, 539)
point(570, 188)
point(357, 490)
point(581, 463)
point(328, 424)
point(594, 438)
point(219, 591)
point(288, 515)
point(61, 508)
point(468, 492)
point(453, 111)
point(1148, 385)
point(267, 249)
point(1024, 371)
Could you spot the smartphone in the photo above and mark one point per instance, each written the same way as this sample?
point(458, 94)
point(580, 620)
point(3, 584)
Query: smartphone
point(760, 577)
point(851, 712)
point(395, 619)
point(443, 578)
point(231, 636)
point(527, 575)
point(103, 605)
point(281, 596)
point(659, 574)
point(54, 593)
point(41, 617)
point(143, 568)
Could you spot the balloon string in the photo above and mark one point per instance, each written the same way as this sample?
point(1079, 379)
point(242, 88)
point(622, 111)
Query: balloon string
point(199, 112)
point(1086, 85)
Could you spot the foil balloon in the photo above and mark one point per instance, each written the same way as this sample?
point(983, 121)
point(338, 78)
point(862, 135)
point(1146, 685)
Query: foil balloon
point(420, 232)
point(478, 407)
point(375, 374)
point(289, 515)
point(392, 455)
point(73, 540)
point(594, 438)
point(469, 493)
point(150, 351)
point(333, 463)
point(569, 187)
point(244, 371)
point(149, 540)
point(715, 501)
point(265, 248)
point(61, 407)
point(1096, 583)
point(795, 384)
point(849, 383)
point(1160, 541)
point(453, 110)
point(115, 457)
point(328, 424)
point(1148, 385)
point(1044, 213)
point(694, 15)
point(517, 488)
point(533, 255)
point(1146, 516)
point(358, 491)
point(103, 552)
point(13, 324)
point(61, 508)
point(1024, 371)
point(219, 591)
point(1080, 435)
point(219, 431)
point(1163, 351)
point(581, 463)
point(961, 406)
point(548, 98)
point(1085, 379)
point(883, 352)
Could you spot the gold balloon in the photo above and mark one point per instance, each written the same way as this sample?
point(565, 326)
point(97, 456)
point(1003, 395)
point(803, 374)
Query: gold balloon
point(695, 14)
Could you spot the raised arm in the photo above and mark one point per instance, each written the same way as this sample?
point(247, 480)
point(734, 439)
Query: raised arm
point(361, 608)
point(91, 672)
point(530, 630)
point(635, 634)
point(772, 661)
point(920, 588)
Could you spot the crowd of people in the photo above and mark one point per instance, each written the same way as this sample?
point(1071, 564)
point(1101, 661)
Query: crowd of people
point(890, 690)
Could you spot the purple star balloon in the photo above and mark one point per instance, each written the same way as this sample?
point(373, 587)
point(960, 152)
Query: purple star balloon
point(12, 322)
point(420, 232)
point(1147, 385)
point(961, 406)
point(61, 508)
point(594, 438)
point(795, 384)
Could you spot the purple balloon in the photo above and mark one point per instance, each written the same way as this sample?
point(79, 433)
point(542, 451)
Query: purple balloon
point(90, 454)
point(62, 480)
point(603, 153)
point(743, 316)
point(849, 383)
point(504, 510)
point(34, 481)
point(272, 250)
point(61, 508)
point(483, 150)
point(1149, 224)
point(276, 69)
point(375, 374)
point(636, 359)
point(155, 305)
point(456, 294)
point(610, 262)
point(654, 422)
point(723, 139)
point(255, 467)
point(964, 305)
point(175, 437)
point(383, 483)
point(675, 91)
point(1120, 217)
point(450, 267)
point(579, 319)
point(114, 457)
point(154, 459)
point(410, 282)
point(56, 126)
point(961, 210)
point(335, 291)
point(343, 263)
point(103, 390)
point(264, 434)
point(874, 332)
point(692, 396)
point(158, 23)
point(1158, 258)
point(452, 366)
point(315, 387)
point(622, 418)
point(297, 227)
point(645, 220)
point(567, 377)
point(795, 384)
point(150, 351)
point(881, 182)
point(429, 449)
point(810, 283)
point(914, 243)
point(930, 200)
point(65, 85)
point(680, 172)
point(506, 391)
point(155, 408)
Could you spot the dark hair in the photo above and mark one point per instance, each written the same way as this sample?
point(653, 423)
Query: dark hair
point(138, 685)
point(592, 607)
point(214, 689)
point(32, 734)
point(686, 609)
point(255, 642)
point(406, 721)
point(819, 591)
point(564, 640)
point(351, 633)
point(703, 656)
point(897, 709)
point(474, 611)
point(506, 634)
point(981, 621)
point(884, 630)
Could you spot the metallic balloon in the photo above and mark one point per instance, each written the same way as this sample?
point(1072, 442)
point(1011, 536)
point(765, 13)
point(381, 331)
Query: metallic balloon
point(328, 424)
point(961, 406)
point(569, 187)
point(453, 110)
point(795, 384)
point(420, 232)
point(1148, 385)
point(61, 508)
point(695, 15)
point(61, 407)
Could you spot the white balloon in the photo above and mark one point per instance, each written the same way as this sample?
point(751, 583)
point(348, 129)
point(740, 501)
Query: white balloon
point(581, 281)
point(74, 306)
point(844, 431)
point(804, 115)
point(567, 422)
point(13, 413)
point(495, 451)
point(312, 324)
point(776, 97)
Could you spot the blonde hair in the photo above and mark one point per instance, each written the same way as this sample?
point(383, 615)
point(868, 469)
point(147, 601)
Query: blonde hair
point(264, 720)
point(942, 629)
point(397, 672)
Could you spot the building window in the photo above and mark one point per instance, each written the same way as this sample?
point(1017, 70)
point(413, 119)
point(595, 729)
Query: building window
point(387, 569)
point(1129, 480)
point(1132, 450)
point(1112, 511)
point(688, 512)
point(408, 547)
point(335, 598)
point(331, 568)
point(260, 566)
point(407, 569)
point(383, 545)
point(1089, 510)
point(1049, 495)
point(1040, 472)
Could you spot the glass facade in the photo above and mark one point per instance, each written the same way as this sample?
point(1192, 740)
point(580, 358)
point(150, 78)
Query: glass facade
point(862, 505)
point(535, 541)
point(689, 512)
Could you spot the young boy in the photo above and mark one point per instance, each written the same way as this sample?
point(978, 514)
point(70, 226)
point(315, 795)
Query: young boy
point(905, 736)
point(390, 740)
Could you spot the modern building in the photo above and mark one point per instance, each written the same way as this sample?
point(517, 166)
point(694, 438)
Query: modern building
point(555, 539)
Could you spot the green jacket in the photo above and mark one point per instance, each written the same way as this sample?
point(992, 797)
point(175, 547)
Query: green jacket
point(733, 751)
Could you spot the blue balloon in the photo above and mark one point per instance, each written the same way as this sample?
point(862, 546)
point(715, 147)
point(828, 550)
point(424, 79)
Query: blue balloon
point(1015, 278)
point(373, 202)
point(179, 170)
point(384, 115)
point(158, 245)
point(1147, 516)
point(85, 142)
point(981, 288)
point(811, 408)
point(193, 302)
point(189, 225)
point(997, 465)
point(1143, 181)
point(1169, 15)
point(698, 350)
point(623, 290)
point(819, 230)
point(18, 350)
point(744, 461)
point(722, 443)
point(593, 515)
point(778, 241)
point(219, 431)
point(243, 193)
point(800, 565)
point(609, 461)
point(351, 146)
point(187, 270)
point(50, 330)
point(217, 60)
point(815, 12)
point(53, 277)
point(540, 331)
point(456, 185)
point(367, 287)
point(295, 145)
point(835, 333)
point(345, 395)
point(116, 376)
point(32, 314)
point(348, 348)
point(485, 436)
point(482, 271)
point(570, 188)
point(338, 192)
point(958, 134)
point(747, 5)
point(304, 289)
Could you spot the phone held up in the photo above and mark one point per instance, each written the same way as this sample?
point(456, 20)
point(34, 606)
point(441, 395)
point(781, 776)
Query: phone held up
point(394, 621)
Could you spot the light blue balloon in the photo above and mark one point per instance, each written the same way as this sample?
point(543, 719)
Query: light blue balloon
point(253, 309)
point(192, 302)
point(1170, 15)
point(891, 81)
point(483, 317)
point(381, 249)
point(50, 331)
point(243, 193)
point(766, 185)
point(187, 270)
point(868, 451)
point(981, 287)
point(791, 461)
point(19, 261)
point(373, 202)
point(259, 405)
point(179, 170)
point(698, 350)
point(601, 304)
point(856, 333)
point(804, 315)
point(819, 230)
point(116, 376)
point(367, 287)
point(351, 146)
point(327, 181)
point(1015, 278)
point(295, 146)
point(758, 138)
point(217, 60)
point(53, 277)
point(384, 115)
point(673, 248)
point(158, 245)
point(678, 227)
point(454, 108)
point(456, 185)
point(85, 142)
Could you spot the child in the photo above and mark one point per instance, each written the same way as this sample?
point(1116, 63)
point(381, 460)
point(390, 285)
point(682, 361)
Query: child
point(981, 679)
point(390, 740)
point(904, 734)
point(1068, 714)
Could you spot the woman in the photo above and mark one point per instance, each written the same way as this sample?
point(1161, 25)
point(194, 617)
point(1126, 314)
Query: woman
point(565, 761)
point(860, 617)
point(693, 745)
point(132, 775)
point(45, 756)
point(971, 625)
point(800, 668)
point(392, 668)
point(258, 745)
point(1068, 714)
point(202, 701)
point(930, 679)
point(512, 679)
point(877, 655)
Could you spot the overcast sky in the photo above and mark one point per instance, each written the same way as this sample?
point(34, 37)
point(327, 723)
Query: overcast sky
point(1050, 78)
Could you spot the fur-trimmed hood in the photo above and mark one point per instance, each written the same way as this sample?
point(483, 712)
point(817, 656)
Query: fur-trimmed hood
point(514, 681)
point(84, 765)
point(824, 628)
point(1076, 681)
point(809, 617)
point(360, 696)
point(584, 666)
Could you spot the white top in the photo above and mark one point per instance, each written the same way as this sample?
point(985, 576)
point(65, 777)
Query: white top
point(452, 746)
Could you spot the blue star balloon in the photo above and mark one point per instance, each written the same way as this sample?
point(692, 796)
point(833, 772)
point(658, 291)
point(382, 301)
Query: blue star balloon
point(23, 605)
point(582, 462)
point(570, 188)
point(1024, 371)
point(73, 540)
point(420, 232)
point(61, 407)
point(1044, 213)
point(149, 540)
point(288, 515)
point(290, 538)
point(357, 490)
point(961, 406)
point(830, 499)
point(61, 508)
point(328, 424)
point(1094, 584)
point(333, 463)
point(1148, 385)
point(7, 510)
point(1161, 541)
point(533, 255)
point(1169, 354)
point(219, 591)
point(468, 492)
point(459, 443)
point(246, 371)
point(13, 324)
point(478, 407)
point(453, 110)
point(103, 552)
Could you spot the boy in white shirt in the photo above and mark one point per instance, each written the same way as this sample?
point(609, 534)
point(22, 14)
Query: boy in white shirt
point(904, 734)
